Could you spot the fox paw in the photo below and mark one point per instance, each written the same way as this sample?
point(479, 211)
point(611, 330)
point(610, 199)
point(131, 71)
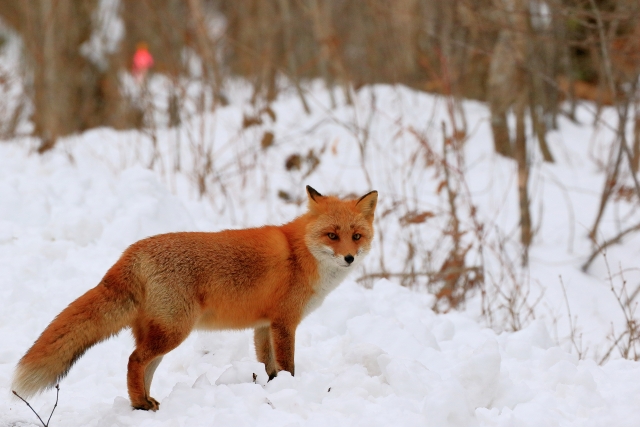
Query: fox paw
point(149, 404)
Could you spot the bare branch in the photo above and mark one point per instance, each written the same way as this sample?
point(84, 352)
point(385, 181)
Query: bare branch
point(34, 411)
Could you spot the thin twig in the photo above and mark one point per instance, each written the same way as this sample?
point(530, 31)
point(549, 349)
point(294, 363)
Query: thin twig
point(571, 325)
point(34, 411)
point(607, 243)
point(27, 403)
point(386, 275)
point(613, 346)
point(55, 405)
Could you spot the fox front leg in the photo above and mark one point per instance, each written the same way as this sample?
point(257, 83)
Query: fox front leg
point(283, 337)
point(264, 350)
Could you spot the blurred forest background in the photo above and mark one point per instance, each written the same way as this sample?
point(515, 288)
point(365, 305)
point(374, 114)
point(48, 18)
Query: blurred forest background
point(521, 54)
point(530, 61)
point(524, 56)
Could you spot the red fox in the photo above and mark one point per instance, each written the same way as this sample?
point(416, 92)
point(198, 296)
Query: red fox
point(163, 287)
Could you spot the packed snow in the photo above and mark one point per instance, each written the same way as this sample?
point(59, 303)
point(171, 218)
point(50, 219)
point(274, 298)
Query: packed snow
point(375, 355)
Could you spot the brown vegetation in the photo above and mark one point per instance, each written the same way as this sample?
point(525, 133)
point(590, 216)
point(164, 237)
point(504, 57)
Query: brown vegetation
point(529, 61)
point(518, 56)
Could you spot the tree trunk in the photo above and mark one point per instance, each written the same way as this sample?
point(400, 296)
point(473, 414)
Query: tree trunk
point(520, 152)
point(500, 91)
point(69, 93)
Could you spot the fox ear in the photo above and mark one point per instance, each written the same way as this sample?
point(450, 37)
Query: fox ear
point(367, 204)
point(313, 194)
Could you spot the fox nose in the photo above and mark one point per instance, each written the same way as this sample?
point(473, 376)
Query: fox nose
point(349, 258)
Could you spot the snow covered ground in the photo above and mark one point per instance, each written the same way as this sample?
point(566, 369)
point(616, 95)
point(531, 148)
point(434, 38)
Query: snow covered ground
point(375, 356)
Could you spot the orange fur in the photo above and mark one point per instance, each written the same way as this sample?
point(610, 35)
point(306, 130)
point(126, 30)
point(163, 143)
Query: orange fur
point(165, 286)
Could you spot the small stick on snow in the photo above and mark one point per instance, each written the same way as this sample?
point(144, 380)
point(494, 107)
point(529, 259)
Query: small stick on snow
point(34, 411)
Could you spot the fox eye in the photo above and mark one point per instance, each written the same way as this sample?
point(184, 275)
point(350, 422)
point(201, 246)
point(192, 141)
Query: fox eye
point(332, 236)
point(357, 236)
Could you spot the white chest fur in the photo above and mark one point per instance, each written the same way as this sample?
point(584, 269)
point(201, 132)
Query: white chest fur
point(331, 275)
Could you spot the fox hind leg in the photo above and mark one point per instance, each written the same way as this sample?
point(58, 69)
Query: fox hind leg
point(148, 373)
point(151, 346)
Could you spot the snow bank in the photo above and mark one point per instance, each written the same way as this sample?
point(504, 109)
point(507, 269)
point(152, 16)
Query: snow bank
point(375, 357)
point(369, 357)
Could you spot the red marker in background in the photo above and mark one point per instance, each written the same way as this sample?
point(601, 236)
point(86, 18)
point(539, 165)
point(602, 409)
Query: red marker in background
point(142, 61)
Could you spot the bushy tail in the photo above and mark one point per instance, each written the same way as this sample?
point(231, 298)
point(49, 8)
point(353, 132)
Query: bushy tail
point(94, 317)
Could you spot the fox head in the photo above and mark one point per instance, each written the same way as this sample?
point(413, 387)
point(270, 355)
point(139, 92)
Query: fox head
point(340, 232)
